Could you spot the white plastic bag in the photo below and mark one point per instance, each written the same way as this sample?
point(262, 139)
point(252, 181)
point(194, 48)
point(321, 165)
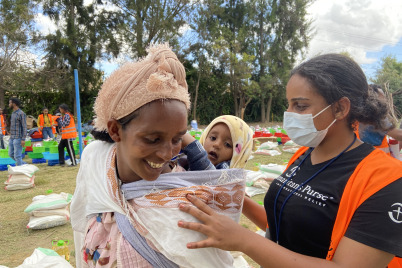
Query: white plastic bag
point(51, 201)
point(19, 179)
point(26, 169)
point(49, 212)
point(12, 187)
point(45, 258)
point(46, 222)
point(273, 152)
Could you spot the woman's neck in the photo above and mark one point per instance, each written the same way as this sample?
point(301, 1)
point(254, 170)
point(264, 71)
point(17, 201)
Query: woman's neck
point(333, 145)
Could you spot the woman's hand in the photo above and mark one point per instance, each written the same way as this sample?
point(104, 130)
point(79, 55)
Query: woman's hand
point(221, 231)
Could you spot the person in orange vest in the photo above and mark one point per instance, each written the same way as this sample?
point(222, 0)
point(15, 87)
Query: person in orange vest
point(55, 123)
point(45, 124)
point(377, 137)
point(2, 128)
point(68, 134)
point(339, 202)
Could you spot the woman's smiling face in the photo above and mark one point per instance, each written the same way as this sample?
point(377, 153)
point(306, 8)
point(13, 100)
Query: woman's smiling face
point(150, 140)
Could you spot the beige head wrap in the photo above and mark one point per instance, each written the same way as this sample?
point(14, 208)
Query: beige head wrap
point(242, 138)
point(160, 75)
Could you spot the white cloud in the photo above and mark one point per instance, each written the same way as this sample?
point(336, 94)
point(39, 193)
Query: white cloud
point(44, 24)
point(358, 27)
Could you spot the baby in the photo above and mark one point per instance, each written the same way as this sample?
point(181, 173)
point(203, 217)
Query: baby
point(225, 143)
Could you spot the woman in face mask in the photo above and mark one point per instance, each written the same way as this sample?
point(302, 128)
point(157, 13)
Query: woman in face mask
point(339, 202)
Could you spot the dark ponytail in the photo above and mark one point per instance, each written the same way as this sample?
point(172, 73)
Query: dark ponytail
point(334, 76)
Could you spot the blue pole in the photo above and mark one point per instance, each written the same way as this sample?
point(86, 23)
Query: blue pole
point(77, 99)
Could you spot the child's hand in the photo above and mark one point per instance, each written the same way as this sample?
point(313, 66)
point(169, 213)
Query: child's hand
point(187, 139)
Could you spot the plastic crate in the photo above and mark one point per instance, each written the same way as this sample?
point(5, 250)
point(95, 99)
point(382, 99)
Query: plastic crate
point(6, 161)
point(37, 139)
point(28, 143)
point(28, 149)
point(4, 153)
point(35, 155)
point(51, 156)
point(54, 149)
point(38, 149)
point(38, 160)
point(5, 167)
point(47, 144)
point(52, 162)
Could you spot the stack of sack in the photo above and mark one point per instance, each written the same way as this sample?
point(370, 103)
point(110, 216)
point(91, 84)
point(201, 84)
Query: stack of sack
point(258, 182)
point(48, 211)
point(21, 177)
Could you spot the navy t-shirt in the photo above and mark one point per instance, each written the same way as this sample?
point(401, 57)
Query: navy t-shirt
point(309, 214)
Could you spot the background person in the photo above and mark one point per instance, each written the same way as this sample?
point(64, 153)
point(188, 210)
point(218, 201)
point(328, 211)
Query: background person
point(18, 131)
point(45, 124)
point(2, 129)
point(338, 202)
point(378, 137)
point(68, 135)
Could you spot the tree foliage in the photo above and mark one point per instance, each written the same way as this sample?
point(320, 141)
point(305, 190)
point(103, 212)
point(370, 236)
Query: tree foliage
point(389, 75)
point(150, 21)
point(17, 37)
point(237, 61)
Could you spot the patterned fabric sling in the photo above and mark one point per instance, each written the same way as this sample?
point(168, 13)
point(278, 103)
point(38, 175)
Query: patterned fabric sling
point(151, 214)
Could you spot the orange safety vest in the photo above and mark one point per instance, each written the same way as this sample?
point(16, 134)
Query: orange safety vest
point(373, 173)
point(69, 132)
point(54, 118)
point(383, 146)
point(42, 122)
point(3, 125)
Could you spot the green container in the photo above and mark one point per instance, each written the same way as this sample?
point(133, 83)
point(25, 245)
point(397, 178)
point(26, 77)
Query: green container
point(47, 144)
point(54, 149)
point(4, 153)
point(28, 143)
point(35, 155)
point(38, 149)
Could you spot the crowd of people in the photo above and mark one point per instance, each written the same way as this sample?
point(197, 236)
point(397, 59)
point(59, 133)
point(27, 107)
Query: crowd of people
point(62, 124)
point(337, 204)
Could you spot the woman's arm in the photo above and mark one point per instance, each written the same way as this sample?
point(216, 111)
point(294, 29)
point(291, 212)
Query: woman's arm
point(224, 233)
point(255, 212)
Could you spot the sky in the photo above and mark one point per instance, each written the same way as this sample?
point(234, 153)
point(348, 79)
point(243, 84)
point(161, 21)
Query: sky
point(367, 29)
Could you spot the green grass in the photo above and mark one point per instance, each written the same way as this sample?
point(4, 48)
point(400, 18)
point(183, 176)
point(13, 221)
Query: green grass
point(19, 243)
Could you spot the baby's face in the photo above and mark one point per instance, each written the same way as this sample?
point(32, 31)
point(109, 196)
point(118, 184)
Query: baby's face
point(218, 144)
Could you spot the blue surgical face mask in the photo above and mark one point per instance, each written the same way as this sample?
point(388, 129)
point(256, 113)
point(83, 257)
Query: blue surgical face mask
point(301, 129)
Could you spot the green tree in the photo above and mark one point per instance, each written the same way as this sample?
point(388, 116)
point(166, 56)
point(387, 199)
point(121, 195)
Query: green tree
point(85, 35)
point(389, 75)
point(151, 21)
point(226, 31)
point(17, 36)
point(281, 29)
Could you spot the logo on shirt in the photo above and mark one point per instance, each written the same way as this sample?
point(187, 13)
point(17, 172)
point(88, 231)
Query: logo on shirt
point(396, 214)
point(303, 191)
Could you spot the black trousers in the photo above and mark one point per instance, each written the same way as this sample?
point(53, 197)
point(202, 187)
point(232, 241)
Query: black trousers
point(65, 143)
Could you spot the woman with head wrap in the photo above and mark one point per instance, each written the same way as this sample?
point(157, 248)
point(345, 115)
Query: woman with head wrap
point(124, 212)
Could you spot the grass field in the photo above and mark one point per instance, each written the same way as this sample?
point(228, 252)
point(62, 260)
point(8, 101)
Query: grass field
point(19, 243)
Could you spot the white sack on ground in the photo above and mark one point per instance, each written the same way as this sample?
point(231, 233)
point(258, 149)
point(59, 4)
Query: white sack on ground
point(45, 258)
